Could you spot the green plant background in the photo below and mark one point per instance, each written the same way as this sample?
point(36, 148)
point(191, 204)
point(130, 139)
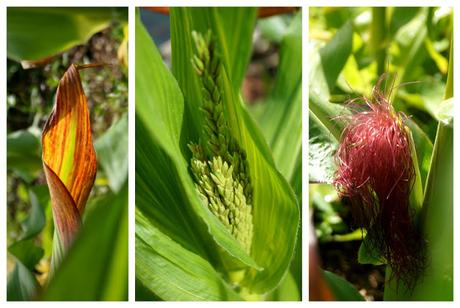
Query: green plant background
point(96, 267)
point(349, 49)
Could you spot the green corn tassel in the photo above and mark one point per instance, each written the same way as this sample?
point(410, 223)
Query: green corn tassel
point(219, 164)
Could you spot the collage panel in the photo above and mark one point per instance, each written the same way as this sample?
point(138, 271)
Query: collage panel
point(218, 154)
point(67, 154)
point(381, 153)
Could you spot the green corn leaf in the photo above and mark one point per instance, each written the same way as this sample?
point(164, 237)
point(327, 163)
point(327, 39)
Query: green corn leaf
point(274, 203)
point(401, 16)
point(324, 130)
point(411, 36)
point(286, 291)
point(112, 152)
point(437, 224)
point(33, 26)
point(96, 266)
point(334, 55)
point(23, 154)
point(321, 150)
point(423, 147)
point(279, 120)
point(173, 272)
point(436, 219)
point(22, 285)
point(368, 255)
point(342, 289)
point(36, 220)
point(27, 252)
point(161, 212)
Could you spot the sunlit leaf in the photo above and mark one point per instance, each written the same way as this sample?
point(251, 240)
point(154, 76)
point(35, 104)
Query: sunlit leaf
point(68, 156)
point(334, 55)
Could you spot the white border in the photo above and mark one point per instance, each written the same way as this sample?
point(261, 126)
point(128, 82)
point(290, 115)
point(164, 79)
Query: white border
point(456, 217)
point(131, 152)
point(305, 65)
point(243, 3)
point(3, 265)
point(305, 200)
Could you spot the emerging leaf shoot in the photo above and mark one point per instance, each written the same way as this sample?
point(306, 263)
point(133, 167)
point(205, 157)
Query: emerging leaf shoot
point(69, 159)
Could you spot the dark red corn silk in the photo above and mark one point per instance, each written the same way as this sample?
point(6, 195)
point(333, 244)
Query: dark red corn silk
point(376, 173)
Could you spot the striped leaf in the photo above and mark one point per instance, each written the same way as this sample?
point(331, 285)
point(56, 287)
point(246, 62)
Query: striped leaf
point(69, 159)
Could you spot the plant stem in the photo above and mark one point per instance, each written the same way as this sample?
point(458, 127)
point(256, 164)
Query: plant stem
point(378, 35)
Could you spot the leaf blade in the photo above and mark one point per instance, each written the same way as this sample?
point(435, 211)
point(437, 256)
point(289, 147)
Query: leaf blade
point(68, 155)
point(84, 275)
point(36, 27)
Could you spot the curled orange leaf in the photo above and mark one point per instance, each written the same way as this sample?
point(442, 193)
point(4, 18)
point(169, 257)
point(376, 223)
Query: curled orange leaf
point(69, 159)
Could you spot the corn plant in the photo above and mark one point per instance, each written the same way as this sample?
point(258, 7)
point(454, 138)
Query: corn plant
point(73, 178)
point(215, 217)
point(377, 152)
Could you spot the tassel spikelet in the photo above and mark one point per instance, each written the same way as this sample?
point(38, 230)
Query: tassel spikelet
point(218, 164)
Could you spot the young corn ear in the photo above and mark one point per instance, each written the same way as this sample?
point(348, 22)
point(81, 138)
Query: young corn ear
point(376, 173)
